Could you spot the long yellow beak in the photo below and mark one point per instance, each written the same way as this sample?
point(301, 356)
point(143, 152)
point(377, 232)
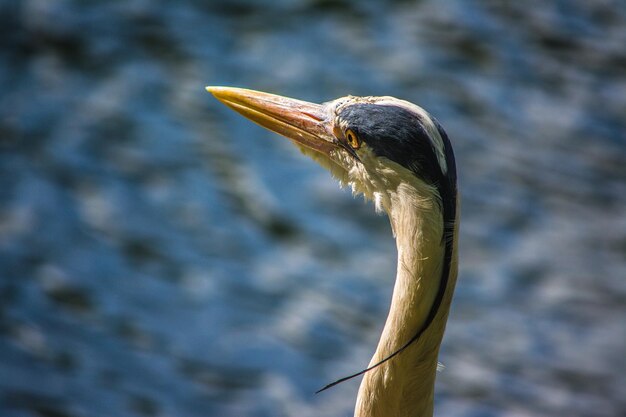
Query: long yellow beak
point(307, 124)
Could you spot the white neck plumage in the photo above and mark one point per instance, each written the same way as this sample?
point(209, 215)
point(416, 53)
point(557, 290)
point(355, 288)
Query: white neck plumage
point(404, 385)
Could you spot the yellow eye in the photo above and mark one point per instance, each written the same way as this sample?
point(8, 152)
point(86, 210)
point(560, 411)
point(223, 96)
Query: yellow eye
point(352, 139)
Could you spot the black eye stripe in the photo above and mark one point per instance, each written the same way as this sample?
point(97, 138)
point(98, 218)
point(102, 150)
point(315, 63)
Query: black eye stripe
point(397, 134)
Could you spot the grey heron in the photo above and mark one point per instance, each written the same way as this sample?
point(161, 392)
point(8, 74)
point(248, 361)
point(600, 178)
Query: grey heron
point(396, 154)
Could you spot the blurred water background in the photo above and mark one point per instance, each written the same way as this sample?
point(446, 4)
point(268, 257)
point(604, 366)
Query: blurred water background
point(162, 256)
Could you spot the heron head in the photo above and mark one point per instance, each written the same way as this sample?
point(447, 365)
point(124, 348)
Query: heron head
point(374, 144)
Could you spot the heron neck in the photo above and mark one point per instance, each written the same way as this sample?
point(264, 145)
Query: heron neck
point(404, 385)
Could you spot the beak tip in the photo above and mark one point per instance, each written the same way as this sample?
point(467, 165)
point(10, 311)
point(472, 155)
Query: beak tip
point(213, 89)
point(224, 94)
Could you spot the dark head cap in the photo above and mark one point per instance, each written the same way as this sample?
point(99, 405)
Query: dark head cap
point(401, 135)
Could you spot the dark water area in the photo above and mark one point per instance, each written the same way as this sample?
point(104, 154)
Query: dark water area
point(162, 256)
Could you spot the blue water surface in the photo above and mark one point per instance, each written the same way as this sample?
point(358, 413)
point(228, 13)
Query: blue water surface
point(162, 256)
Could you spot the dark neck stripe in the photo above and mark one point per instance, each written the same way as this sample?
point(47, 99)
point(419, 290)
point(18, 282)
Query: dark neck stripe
point(448, 193)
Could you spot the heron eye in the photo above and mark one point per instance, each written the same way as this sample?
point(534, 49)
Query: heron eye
point(352, 139)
